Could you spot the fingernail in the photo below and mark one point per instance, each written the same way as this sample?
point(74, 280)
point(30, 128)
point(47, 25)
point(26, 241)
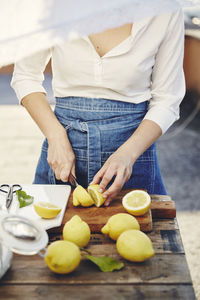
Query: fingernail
point(105, 196)
point(106, 203)
point(100, 190)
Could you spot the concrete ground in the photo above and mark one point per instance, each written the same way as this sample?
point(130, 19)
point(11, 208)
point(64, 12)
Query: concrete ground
point(20, 142)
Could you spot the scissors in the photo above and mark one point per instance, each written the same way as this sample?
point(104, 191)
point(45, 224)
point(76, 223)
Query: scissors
point(10, 190)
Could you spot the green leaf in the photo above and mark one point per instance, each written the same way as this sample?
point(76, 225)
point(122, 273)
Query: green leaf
point(106, 263)
point(85, 250)
point(24, 199)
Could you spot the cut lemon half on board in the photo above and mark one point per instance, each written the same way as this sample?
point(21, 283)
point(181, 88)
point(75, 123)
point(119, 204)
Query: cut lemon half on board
point(97, 197)
point(46, 210)
point(136, 202)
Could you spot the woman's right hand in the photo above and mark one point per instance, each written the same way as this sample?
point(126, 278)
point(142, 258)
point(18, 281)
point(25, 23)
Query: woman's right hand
point(61, 157)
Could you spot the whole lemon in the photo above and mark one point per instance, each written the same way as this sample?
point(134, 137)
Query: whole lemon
point(82, 197)
point(62, 257)
point(119, 223)
point(135, 245)
point(77, 231)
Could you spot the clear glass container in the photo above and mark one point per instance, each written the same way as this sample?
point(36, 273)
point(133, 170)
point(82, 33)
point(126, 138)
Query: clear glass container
point(19, 235)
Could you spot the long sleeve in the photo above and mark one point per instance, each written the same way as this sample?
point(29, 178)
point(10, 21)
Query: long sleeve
point(28, 74)
point(168, 82)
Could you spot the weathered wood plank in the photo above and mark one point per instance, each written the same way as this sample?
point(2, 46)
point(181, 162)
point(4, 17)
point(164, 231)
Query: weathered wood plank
point(163, 210)
point(165, 224)
point(160, 269)
point(160, 198)
point(171, 241)
point(162, 206)
point(158, 224)
point(164, 241)
point(121, 292)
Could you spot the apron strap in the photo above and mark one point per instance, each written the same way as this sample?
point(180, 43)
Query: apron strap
point(93, 145)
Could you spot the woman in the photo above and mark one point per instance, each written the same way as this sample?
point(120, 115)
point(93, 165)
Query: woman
point(116, 93)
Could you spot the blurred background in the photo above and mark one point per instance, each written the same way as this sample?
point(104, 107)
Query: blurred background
point(178, 149)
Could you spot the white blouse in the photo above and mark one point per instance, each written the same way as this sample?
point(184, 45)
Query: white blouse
point(148, 65)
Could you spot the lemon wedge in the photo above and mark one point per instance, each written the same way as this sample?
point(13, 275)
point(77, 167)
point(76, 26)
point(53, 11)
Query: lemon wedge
point(46, 210)
point(136, 202)
point(97, 197)
point(82, 197)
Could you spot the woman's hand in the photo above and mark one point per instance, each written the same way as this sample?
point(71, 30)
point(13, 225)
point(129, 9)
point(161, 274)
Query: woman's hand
point(61, 157)
point(119, 164)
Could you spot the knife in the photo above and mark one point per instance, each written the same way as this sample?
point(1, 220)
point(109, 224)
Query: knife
point(72, 180)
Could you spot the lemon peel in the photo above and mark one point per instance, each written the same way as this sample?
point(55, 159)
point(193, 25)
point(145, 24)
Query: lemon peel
point(46, 210)
point(77, 231)
point(118, 223)
point(135, 245)
point(62, 257)
point(136, 202)
point(82, 197)
point(97, 197)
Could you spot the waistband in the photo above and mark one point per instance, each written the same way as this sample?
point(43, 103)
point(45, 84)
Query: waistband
point(100, 104)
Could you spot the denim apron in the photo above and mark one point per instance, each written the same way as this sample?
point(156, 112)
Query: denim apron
point(96, 128)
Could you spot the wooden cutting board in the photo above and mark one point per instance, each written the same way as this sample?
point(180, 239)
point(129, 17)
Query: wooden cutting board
point(161, 207)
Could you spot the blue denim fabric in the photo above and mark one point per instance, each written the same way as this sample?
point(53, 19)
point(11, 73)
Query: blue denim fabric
point(96, 128)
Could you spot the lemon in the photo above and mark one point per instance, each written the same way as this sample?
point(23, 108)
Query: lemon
point(77, 231)
point(82, 197)
point(119, 223)
point(46, 210)
point(136, 202)
point(135, 245)
point(97, 197)
point(62, 257)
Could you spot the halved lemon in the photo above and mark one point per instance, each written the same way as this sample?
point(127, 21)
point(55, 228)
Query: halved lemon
point(97, 197)
point(82, 197)
point(136, 202)
point(46, 210)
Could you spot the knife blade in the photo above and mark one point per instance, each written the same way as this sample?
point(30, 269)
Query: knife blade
point(73, 180)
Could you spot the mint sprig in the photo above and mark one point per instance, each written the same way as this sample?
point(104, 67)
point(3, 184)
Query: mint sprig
point(24, 199)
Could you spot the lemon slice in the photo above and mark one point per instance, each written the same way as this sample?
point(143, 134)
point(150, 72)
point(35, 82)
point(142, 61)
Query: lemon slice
point(136, 202)
point(82, 197)
point(97, 197)
point(46, 210)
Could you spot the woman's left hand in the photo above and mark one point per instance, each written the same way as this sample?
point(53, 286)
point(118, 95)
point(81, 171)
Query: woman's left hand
point(119, 164)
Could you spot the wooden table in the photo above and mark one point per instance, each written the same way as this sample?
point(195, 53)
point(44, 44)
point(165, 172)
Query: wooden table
point(164, 276)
